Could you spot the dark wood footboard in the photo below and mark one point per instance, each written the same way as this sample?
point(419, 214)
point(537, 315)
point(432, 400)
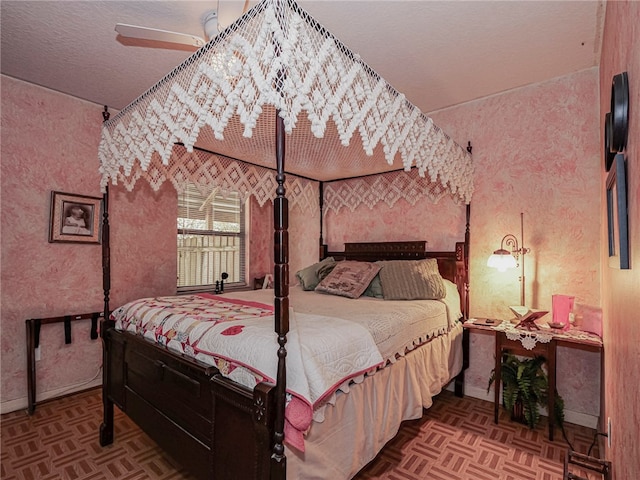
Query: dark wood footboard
point(211, 425)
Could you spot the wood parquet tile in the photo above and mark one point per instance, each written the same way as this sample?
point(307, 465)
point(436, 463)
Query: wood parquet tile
point(456, 439)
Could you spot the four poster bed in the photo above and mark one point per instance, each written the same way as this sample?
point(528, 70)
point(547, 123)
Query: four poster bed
point(297, 411)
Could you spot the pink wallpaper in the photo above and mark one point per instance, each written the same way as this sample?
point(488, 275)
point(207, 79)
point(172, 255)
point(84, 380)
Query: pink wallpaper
point(441, 224)
point(261, 239)
point(621, 288)
point(143, 242)
point(49, 142)
point(536, 150)
point(304, 231)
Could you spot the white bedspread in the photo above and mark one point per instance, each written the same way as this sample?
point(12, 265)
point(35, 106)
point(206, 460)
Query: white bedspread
point(395, 325)
point(332, 340)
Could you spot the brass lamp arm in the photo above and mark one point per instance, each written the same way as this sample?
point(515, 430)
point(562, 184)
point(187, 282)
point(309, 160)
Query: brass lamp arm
point(510, 240)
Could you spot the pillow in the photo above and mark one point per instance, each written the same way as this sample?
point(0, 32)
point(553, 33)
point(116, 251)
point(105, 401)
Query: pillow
point(349, 279)
point(412, 280)
point(324, 270)
point(375, 288)
point(308, 276)
point(452, 299)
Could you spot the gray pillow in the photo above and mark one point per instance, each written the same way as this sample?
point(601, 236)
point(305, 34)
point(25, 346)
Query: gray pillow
point(375, 288)
point(412, 280)
point(308, 277)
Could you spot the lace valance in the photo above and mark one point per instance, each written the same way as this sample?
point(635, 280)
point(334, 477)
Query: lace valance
point(207, 171)
point(276, 58)
point(387, 187)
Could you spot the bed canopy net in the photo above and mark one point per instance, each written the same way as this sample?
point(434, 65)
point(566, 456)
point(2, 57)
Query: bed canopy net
point(275, 75)
point(341, 118)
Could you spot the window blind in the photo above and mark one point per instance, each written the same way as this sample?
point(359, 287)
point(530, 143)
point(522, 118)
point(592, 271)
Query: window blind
point(211, 238)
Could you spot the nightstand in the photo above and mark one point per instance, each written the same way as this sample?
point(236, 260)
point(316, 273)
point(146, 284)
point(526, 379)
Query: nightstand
point(531, 343)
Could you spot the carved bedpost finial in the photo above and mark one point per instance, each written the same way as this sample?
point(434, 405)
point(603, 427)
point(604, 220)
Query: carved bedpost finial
point(106, 114)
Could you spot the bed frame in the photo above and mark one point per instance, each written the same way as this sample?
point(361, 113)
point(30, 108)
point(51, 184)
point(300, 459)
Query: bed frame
point(221, 430)
point(216, 427)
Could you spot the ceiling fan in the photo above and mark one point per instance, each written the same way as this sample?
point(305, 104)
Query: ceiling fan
point(209, 23)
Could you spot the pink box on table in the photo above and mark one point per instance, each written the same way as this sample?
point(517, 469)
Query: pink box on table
point(562, 305)
point(588, 318)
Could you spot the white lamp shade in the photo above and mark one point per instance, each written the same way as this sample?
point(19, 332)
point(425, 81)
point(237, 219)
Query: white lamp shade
point(502, 260)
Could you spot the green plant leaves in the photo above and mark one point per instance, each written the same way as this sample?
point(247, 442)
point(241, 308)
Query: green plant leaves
point(526, 381)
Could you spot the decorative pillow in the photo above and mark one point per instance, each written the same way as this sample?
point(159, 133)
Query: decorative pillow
point(375, 288)
point(324, 270)
point(412, 280)
point(308, 276)
point(349, 279)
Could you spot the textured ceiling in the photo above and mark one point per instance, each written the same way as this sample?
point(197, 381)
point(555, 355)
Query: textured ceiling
point(438, 53)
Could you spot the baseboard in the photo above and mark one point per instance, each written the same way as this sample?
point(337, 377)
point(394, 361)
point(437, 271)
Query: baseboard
point(22, 403)
point(570, 416)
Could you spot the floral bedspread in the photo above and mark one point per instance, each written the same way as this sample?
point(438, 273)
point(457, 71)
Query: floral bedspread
point(237, 336)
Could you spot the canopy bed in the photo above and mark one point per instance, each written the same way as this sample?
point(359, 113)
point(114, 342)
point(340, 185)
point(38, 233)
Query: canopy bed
point(239, 99)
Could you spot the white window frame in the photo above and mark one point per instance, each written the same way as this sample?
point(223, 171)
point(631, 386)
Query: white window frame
point(200, 250)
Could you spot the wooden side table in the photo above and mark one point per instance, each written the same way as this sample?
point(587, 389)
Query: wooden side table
point(531, 343)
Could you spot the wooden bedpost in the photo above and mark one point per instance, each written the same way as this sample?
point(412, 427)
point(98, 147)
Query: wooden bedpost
point(106, 428)
point(281, 300)
point(467, 239)
point(321, 245)
point(459, 379)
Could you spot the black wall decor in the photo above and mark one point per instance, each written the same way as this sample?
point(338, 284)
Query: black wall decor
point(619, 111)
point(616, 123)
point(617, 220)
point(608, 153)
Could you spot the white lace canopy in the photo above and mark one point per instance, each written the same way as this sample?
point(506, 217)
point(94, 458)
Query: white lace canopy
point(341, 118)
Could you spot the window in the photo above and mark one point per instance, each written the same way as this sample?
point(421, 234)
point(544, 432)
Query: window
point(211, 239)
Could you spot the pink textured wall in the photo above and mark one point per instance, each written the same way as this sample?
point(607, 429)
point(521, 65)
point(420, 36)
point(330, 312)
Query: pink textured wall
point(441, 224)
point(621, 288)
point(143, 242)
point(536, 150)
point(50, 142)
point(304, 230)
point(261, 239)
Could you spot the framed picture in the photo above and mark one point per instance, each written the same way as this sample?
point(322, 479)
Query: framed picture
point(617, 226)
point(75, 218)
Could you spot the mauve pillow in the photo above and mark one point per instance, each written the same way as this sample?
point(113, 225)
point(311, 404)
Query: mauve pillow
point(349, 279)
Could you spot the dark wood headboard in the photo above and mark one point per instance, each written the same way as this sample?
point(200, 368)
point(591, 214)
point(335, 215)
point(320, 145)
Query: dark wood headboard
point(452, 265)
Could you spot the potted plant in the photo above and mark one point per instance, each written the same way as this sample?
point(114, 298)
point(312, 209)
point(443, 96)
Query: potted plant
point(524, 389)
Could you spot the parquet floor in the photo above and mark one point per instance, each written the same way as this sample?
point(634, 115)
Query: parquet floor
point(455, 439)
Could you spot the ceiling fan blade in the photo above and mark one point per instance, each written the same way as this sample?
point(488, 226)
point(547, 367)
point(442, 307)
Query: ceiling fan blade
point(135, 31)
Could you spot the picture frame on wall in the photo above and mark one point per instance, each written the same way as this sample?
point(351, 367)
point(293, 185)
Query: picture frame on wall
point(617, 221)
point(74, 218)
